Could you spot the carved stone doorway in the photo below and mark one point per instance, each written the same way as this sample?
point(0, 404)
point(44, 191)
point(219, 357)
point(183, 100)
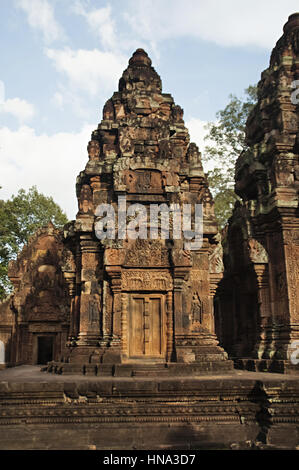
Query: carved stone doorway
point(146, 327)
point(45, 349)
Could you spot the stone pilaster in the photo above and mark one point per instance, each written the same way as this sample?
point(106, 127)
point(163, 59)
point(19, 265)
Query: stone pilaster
point(90, 305)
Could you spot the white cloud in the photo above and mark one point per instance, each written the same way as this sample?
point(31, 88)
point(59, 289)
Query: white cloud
point(20, 109)
point(229, 23)
point(17, 107)
point(40, 16)
point(92, 71)
point(51, 163)
point(100, 23)
point(198, 132)
point(58, 100)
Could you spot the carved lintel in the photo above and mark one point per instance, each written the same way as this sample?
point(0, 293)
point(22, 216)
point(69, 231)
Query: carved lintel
point(135, 280)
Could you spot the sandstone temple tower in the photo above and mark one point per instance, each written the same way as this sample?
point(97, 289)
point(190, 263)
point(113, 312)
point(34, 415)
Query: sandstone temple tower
point(123, 305)
point(142, 301)
point(259, 296)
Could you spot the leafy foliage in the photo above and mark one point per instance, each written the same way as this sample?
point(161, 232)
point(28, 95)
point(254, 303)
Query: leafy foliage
point(20, 217)
point(227, 135)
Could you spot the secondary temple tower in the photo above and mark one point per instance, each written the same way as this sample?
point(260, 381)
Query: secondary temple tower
point(258, 308)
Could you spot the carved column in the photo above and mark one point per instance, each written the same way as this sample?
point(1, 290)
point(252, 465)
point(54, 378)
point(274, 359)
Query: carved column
point(124, 325)
point(114, 273)
point(263, 347)
point(180, 275)
point(70, 278)
point(169, 326)
point(90, 305)
point(215, 278)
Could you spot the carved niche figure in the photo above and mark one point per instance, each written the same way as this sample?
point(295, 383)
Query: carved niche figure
point(126, 142)
point(196, 312)
point(93, 150)
point(296, 177)
point(257, 252)
point(207, 200)
point(194, 156)
point(85, 200)
point(177, 113)
point(164, 149)
point(216, 257)
point(283, 172)
point(108, 111)
point(93, 311)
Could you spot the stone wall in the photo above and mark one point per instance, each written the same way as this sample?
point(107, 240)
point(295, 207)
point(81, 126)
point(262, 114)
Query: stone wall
point(230, 413)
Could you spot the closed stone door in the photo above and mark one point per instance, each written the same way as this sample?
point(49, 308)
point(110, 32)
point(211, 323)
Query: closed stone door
point(146, 326)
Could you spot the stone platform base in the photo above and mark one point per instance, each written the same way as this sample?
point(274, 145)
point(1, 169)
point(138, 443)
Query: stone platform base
point(172, 369)
point(266, 365)
point(244, 410)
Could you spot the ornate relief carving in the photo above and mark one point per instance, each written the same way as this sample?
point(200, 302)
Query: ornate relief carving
point(181, 257)
point(114, 256)
point(143, 181)
point(126, 143)
point(257, 252)
point(93, 149)
point(216, 258)
point(85, 200)
point(196, 309)
point(146, 280)
point(147, 253)
point(291, 236)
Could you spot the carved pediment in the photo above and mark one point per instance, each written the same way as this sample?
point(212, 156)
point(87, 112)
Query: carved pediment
point(147, 253)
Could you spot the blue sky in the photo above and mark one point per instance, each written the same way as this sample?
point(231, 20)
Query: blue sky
point(60, 60)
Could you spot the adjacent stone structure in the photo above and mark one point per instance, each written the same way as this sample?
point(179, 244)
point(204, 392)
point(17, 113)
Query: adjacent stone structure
point(258, 307)
point(35, 320)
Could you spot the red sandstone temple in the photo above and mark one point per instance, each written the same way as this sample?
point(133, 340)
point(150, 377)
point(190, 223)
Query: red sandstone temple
point(138, 306)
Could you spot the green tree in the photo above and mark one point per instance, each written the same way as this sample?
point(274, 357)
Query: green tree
point(227, 136)
point(20, 217)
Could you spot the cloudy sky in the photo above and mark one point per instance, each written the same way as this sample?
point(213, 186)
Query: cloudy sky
point(60, 60)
